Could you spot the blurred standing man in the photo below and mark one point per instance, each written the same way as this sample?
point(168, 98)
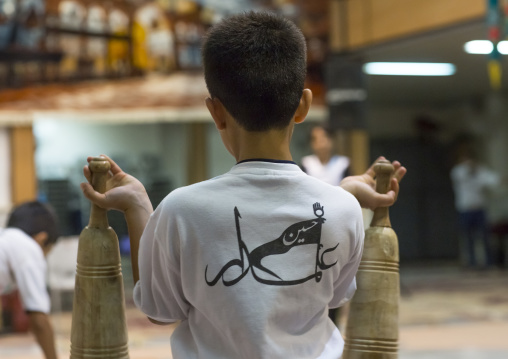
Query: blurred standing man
point(30, 234)
point(323, 164)
point(471, 180)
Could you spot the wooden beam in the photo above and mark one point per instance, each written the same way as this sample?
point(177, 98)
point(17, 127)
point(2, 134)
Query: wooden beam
point(5, 174)
point(359, 148)
point(23, 176)
point(352, 143)
point(197, 160)
point(338, 25)
point(355, 145)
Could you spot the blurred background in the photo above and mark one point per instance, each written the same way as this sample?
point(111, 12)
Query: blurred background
point(408, 80)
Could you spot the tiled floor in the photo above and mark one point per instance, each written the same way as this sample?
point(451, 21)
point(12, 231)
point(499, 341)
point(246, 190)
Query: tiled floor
point(454, 314)
point(444, 313)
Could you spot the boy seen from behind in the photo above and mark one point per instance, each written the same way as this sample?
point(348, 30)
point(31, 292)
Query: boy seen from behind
point(249, 262)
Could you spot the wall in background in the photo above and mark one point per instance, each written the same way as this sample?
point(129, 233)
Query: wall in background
point(483, 119)
point(62, 148)
point(423, 140)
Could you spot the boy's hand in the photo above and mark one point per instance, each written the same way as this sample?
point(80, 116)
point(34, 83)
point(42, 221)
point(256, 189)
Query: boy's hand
point(126, 194)
point(363, 187)
point(123, 191)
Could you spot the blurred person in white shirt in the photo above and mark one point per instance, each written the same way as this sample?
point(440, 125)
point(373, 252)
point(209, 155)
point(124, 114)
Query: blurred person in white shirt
point(30, 234)
point(471, 182)
point(323, 164)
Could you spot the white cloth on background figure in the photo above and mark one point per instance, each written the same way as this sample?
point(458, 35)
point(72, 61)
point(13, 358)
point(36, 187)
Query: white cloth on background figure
point(470, 185)
point(332, 173)
point(250, 262)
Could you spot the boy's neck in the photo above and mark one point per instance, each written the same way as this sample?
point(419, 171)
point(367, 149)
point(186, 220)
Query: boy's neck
point(273, 144)
point(324, 159)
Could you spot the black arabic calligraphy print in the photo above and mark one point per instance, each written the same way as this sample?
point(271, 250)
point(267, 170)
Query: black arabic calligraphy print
point(298, 234)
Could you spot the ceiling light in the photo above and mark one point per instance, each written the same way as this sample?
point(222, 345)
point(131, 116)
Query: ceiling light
point(409, 68)
point(479, 47)
point(502, 47)
point(485, 47)
point(8, 8)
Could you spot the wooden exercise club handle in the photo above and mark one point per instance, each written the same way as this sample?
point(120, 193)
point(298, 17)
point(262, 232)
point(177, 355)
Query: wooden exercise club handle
point(372, 329)
point(99, 328)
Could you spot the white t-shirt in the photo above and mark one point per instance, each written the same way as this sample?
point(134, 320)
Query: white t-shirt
point(470, 187)
point(250, 262)
point(23, 266)
point(332, 173)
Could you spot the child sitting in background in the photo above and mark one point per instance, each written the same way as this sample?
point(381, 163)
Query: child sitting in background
point(30, 234)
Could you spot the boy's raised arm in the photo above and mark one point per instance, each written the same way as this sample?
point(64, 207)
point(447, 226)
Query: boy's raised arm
point(363, 187)
point(126, 194)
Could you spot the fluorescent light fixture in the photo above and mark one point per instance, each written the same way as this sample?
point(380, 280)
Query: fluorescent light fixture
point(502, 47)
point(485, 47)
point(479, 47)
point(409, 68)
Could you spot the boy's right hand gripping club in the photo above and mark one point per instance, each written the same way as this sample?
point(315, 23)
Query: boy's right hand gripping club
point(99, 328)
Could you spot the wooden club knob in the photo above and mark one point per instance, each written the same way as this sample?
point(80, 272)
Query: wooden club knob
point(99, 168)
point(384, 172)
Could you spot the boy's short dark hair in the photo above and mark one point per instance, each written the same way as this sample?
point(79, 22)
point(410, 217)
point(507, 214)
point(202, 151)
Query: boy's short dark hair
point(255, 64)
point(34, 217)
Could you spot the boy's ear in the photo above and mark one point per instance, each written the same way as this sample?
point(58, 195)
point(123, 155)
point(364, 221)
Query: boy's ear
point(41, 238)
point(304, 106)
point(216, 109)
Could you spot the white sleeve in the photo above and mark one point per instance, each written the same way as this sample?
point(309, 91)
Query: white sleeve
point(345, 286)
point(490, 178)
point(30, 276)
point(159, 292)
